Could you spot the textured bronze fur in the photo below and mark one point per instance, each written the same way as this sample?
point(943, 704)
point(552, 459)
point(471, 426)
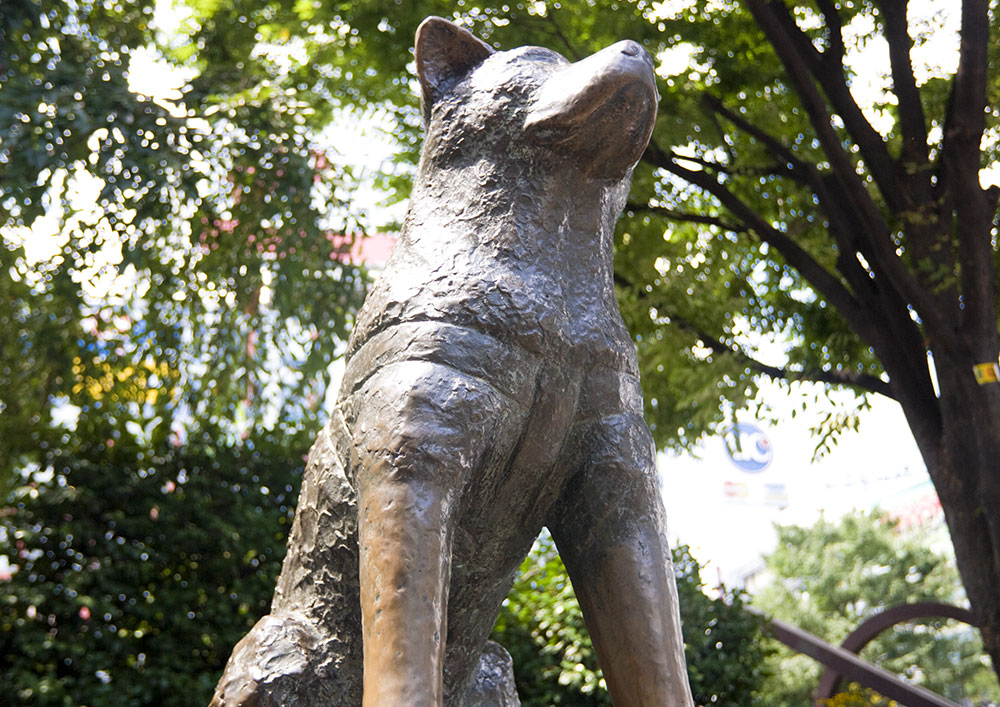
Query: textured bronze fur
point(491, 390)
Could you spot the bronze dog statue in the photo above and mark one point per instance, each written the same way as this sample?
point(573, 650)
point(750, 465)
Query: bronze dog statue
point(491, 390)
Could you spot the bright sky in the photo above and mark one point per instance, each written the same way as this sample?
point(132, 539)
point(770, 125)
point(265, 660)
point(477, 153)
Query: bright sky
point(725, 513)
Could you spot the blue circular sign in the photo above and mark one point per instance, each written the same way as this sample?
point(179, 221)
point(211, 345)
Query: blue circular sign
point(748, 447)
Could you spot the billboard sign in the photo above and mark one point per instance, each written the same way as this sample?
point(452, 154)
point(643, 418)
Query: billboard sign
point(748, 448)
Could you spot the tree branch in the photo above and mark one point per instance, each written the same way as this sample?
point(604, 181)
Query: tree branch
point(829, 286)
point(851, 194)
point(912, 122)
point(687, 217)
point(864, 381)
point(804, 65)
point(794, 166)
point(855, 379)
point(718, 168)
point(843, 222)
point(727, 144)
point(923, 229)
point(714, 166)
point(965, 122)
point(964, 118)
point(835, 29)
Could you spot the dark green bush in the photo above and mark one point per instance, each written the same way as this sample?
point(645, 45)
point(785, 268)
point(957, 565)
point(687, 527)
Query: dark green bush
point(139, 571)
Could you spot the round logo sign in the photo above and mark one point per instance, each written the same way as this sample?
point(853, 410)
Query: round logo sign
point(748, 447)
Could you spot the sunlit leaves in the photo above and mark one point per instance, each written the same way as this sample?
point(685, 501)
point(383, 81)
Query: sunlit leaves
point(37, 353)
point(201, 230)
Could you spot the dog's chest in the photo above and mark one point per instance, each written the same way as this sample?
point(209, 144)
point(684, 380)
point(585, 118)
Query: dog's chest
point(557, 305)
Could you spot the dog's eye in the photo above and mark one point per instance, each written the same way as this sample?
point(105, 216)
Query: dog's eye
point(540, 54)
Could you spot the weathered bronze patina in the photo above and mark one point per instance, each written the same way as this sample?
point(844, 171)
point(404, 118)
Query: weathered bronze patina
point(491, 390)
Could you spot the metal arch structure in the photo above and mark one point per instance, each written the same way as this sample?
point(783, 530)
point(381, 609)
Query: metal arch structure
point(852, 666)
point(871, 628)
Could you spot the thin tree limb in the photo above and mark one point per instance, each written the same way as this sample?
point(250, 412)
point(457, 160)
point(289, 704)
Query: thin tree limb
point(835, 29)
point(685, 216)
point(776, 147)
point(829, 286)
point(804, 65)
point(718, 168)
point(710, 164)
point(842, 221)
point(796, 53)
point(912, 123)
point(856, 379)
point(727, 145)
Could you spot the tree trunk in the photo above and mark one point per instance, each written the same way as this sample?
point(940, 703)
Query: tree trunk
point(963, 461)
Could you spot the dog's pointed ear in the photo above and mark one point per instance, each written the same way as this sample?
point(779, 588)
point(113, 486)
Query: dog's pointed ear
point(445, 54)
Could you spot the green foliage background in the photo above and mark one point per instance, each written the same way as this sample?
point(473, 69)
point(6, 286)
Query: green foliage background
point(828, 578)
point(213, 220)
point(140, 567)
point(217, 203)
point(542, 627)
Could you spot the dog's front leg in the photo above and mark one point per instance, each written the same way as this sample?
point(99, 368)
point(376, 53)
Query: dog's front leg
point(405, 559)
point(610, 533)
point(421, 431)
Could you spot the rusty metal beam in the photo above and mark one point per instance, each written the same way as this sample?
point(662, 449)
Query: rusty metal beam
point(854, 668)
point(883, 621)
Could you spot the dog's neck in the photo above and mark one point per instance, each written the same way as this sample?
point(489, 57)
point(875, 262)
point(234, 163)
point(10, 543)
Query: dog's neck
point(521, 213)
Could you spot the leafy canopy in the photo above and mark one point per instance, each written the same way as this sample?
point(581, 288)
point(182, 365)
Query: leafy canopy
point(171, 258)
point(206, 246)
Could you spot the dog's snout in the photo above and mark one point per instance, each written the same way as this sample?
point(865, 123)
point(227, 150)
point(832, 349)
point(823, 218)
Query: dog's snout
point(634, 50)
